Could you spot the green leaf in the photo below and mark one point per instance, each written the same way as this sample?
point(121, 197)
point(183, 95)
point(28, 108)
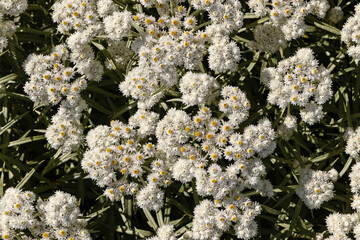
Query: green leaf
point(151, 220)
point(8, 78)
point(12, 122)
point(28, 176)
point(26, 140)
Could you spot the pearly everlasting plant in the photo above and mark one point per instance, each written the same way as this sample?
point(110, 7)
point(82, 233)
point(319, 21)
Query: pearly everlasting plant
point(353, 142)
point(316, 187)
point(289, 16)
point(9, 9)
point(56, 218)
point(350, 35)
point(299, 81)
point(203, 99)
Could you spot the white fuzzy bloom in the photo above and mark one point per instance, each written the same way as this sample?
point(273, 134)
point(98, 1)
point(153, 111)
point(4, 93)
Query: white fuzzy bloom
point(17, 211)
point(165, 232)
point(336, 14)
point(118, 25)
point(173, 130)
point(150, 197)
point(114, 149)
point(338, 223)
point(197, 88)
point(234, 104)
point(223, 55)
point(286, 129)
point(145, 121)
point(353, 143)
point(259, 7)
point(268, 38)
point(355, 178)
point(141, 84)
point(351, 36)
point(74, 15)
point(289, 16)
point(60, 210)
point(9, 9)
point(105, 7)
point(312, 113)
point(299, 80)
point(56, 218)
point(316, 187)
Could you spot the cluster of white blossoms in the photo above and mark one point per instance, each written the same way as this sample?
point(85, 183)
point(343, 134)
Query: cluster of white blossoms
point(115, 149)
point(286, 129)
point(60, 215)
point(316, 187)
point(56, 218)
point(172, 40)
point(350, 34)
point(65, 130)
point(352, 138)
point(336, 14)
point(300, 81)
point(210, 222)
point(8, 10)
point(16, 212)
point(198, 88)
point(289, 15)
point(54, 80)
point(268, 38)
point(165, 232)
point(340, 225)
point(226, 17)
point(187, 148)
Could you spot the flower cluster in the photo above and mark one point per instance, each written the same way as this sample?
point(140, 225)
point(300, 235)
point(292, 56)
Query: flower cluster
point(353, 142)
point(286, 129)
point(115, 149)
point(268, 38)
point(53, 80)
point(165, 232)
point(336, 14)
point(187, 147)
point(8, 10)
point(289, 16)
point(316, 187)
point(340, 225)
point(210, 222)
point(197, 88)
point(16, 212)
point(56, 218)
point(300, 81)
point(60, 216)
point(351, 36)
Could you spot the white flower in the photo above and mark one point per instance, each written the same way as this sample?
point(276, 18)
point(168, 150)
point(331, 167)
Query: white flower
point(316, 187)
